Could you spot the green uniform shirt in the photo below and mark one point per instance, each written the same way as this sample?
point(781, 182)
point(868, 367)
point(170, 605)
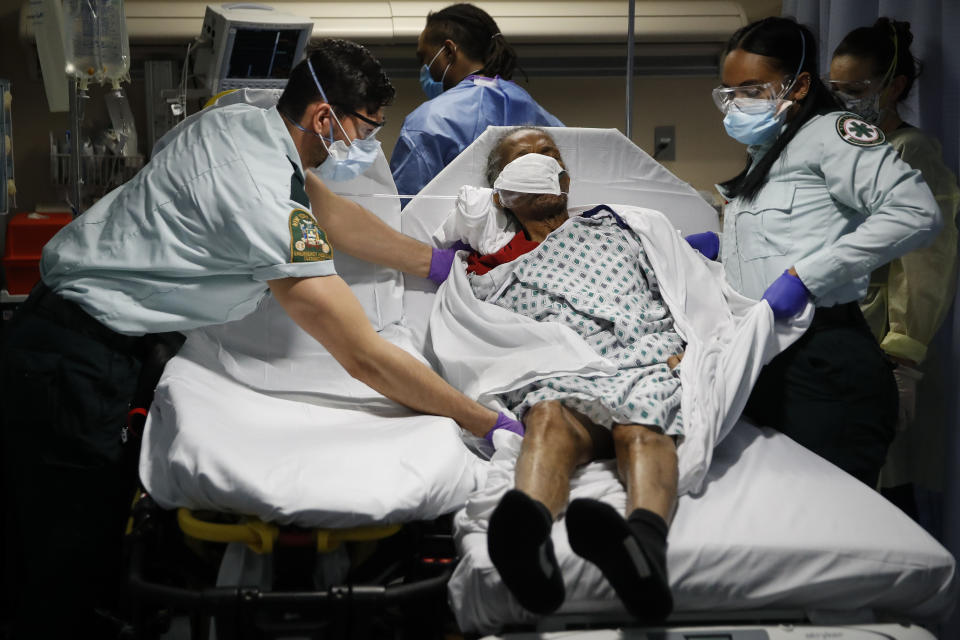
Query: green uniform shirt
point(194, 237)
point(838, 203)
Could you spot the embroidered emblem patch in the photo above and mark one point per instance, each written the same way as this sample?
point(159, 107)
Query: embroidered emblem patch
point(308, 242)
point(858, 132)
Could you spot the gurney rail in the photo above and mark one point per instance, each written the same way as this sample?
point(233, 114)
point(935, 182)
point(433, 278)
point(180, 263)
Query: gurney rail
point(387, 592)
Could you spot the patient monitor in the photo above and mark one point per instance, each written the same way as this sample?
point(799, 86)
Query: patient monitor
point(249, 46)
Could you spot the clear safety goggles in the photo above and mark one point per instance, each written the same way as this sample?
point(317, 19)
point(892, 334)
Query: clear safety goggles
point(853, 88)
point(751, 98)
point(372, 133)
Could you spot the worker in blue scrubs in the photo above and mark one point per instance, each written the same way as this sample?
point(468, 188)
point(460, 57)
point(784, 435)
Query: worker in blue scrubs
point(466, 73)
point(822, 202)
point(224, 214)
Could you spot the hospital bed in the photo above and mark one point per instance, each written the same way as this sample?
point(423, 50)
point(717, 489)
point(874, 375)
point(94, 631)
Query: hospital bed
point(255, 418)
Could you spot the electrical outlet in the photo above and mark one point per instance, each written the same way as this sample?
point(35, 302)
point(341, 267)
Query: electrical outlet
point(665, 143)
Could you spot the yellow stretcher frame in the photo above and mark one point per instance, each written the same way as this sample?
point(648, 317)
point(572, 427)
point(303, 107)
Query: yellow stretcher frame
point(261, 537)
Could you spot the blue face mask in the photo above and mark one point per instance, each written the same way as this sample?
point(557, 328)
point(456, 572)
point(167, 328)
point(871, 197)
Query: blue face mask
point(343, 162)
point(754, 128)
point(432, 88)
point(759, 121)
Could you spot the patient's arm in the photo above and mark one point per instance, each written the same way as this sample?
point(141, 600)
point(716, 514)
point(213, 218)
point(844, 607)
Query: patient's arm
point(326, 308)
point(360, 233)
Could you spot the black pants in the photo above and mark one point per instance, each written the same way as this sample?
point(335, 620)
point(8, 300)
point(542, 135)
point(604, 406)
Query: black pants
point(832, 391)
point(68, 382)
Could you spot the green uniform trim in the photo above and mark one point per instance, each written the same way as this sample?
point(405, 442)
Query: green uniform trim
point(298, 192)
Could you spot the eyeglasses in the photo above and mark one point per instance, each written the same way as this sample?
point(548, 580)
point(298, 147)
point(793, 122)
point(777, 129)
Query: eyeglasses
point(373, 123)
point(851, 88)
point(751, 98)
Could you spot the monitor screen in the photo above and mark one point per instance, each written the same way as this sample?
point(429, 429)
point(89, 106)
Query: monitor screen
point(263, 53)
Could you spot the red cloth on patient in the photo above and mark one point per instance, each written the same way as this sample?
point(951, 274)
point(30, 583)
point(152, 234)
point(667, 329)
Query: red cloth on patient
point(517, 246)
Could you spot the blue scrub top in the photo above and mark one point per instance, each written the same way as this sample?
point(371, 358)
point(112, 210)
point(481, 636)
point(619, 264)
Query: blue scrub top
point(439, 129)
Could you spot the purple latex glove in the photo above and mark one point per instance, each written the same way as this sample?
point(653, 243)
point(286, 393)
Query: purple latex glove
point(707, 243)
point(504, 422)
point(787, 296)
point(442, 259)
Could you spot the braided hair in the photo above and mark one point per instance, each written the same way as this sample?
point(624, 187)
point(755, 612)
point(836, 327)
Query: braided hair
point(477, 34)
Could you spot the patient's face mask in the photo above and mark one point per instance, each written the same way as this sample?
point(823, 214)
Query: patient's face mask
point(532, 173)
point(344, 162)
point(432, 88)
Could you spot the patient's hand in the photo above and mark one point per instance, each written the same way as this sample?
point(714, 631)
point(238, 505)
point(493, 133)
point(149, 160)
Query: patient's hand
point(674, 361)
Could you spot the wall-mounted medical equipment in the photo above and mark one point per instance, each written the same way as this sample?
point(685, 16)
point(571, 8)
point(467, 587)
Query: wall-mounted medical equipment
point(249, 45)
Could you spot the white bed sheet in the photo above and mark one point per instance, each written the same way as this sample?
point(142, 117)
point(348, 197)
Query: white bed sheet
point(776, 527)
point(344, 458)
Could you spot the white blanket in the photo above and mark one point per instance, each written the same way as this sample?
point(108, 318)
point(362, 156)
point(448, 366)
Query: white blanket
point(483, 349)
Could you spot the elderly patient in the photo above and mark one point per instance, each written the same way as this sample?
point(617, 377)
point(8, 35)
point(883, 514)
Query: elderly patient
point(589, 273)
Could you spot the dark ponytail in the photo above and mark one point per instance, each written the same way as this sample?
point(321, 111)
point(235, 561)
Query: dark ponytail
point(885, 40)
point(785, 43)
point(477, 34)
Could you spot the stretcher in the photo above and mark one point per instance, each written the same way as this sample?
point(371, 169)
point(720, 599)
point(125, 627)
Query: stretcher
point(255, 420)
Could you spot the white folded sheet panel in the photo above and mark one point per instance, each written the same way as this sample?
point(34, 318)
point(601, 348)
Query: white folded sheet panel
point(776, 526)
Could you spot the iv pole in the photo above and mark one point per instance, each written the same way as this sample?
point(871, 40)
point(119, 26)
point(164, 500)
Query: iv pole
point(77, 95)
point(632, 13)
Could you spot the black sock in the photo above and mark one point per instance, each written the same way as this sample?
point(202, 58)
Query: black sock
point(630, 553)
point(518, 540)
point(651, 530)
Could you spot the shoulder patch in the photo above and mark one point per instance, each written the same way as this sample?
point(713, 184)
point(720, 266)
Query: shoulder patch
point(308, 242)
point(858, 132)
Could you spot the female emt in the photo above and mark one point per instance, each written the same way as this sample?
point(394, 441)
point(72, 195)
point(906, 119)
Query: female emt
point(872, 73)
point(822, 202)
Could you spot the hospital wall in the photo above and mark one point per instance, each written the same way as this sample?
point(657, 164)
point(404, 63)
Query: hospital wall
point(705, 155)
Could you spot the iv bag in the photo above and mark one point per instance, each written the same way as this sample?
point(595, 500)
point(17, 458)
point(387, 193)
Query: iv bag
point(97, 45)
point(81, 40)
point(114, 44)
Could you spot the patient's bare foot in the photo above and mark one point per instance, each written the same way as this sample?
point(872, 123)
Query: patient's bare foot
point(631, 554)
point(518, 540)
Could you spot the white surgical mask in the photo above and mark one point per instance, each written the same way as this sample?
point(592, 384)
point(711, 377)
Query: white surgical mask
point(531, 173)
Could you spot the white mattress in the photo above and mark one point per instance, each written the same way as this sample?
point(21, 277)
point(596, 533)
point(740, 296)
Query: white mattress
point(776, 527)
point(339, 457)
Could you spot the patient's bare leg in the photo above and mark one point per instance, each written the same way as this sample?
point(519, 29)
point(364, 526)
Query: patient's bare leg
point(557, 441)
point(631, 552)
point(518, 538)
point(647, 466)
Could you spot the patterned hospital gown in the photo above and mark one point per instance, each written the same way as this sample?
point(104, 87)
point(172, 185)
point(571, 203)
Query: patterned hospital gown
point(592, 275)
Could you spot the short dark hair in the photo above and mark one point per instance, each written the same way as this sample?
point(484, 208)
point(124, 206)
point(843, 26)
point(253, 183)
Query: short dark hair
point(785, 42)
point(477, 33)
point(349, 74)
point(495, 157)
point(879, 44)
